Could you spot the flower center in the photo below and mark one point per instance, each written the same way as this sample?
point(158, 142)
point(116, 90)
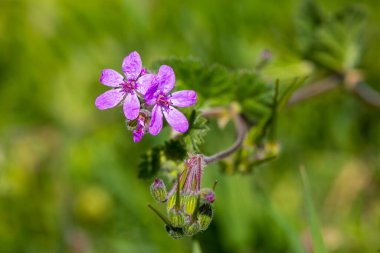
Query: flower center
point(128, 86)
point(163, 100)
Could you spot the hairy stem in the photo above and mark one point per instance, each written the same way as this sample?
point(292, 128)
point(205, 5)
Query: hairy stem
point(161, 216)
point(362, 90)
point(241, 130)
point(359, 88)
point(367, 94)
point(315, 89)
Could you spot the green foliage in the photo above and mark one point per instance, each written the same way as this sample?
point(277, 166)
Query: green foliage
point(198, 129)
point(73, 168)
point(261, 144)
point(211, 81)
point(221, 86)
point(266, 128)
point(309, 19)
point(280, 219)
point(174, 150)
point(312, 216)
point(334, 42)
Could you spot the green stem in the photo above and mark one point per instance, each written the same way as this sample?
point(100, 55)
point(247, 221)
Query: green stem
point(160, 215)
point(241, 129)
point(177, 199)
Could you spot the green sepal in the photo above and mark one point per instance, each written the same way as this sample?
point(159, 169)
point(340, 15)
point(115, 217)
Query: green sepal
point(176, 218)
point(205, 215)
point(171, 202)
point(191, 228)
point(189, 203)
point(158, 191)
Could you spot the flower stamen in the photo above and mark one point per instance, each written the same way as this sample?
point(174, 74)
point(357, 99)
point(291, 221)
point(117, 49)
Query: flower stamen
point(128, 86)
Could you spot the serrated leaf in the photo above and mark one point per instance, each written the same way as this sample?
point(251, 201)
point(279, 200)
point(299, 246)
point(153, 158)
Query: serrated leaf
point(220, 86)
point(310, 18)
point(174, 150)
point(198, 129)
point(335, 43)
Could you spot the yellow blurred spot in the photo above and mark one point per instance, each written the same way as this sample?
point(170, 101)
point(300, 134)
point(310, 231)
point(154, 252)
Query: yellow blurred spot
point(93, 204)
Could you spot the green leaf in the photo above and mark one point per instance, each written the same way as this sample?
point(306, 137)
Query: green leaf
point(336, 43)
point(220, 86)
point(287, 90)
point(309, 19)
point(211, 82)
point(253, 94)
point(174, 150)
point(198, 129)
point(312, 217)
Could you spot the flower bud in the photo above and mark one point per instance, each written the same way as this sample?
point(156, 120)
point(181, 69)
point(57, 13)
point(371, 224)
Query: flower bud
point(158, 190)
point(191, 229)
point(205, 214)
point(176, 218)
point(174, 232)
point(207, 196)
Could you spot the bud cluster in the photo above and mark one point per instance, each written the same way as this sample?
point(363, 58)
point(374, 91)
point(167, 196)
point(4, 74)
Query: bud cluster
point(189, 208)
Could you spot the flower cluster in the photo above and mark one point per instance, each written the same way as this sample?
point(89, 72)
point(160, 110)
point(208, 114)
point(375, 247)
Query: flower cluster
point(189, 208)
point(147, 97)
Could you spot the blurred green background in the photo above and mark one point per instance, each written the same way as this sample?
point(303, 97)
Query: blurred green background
point(68, 172)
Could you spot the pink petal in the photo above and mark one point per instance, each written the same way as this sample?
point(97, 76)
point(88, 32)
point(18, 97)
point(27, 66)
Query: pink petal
point(144, 83)
point(111, 78)
point(151, 94)
point(109, 99)
point(137, 135)
point(184, 98)
point(131, 106)
point(176, 119)
point(166, 79)
point(140, 130)
point(132, 66)
point(156, 121)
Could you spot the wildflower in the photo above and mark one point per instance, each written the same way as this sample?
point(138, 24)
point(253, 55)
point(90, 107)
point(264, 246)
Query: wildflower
point(159, 96)
point(142, 121)
point(139, 132)
point(137, 81)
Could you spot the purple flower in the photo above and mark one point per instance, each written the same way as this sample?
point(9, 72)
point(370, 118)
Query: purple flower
point(159, 96)
point(139, 132)
point(136, 81)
